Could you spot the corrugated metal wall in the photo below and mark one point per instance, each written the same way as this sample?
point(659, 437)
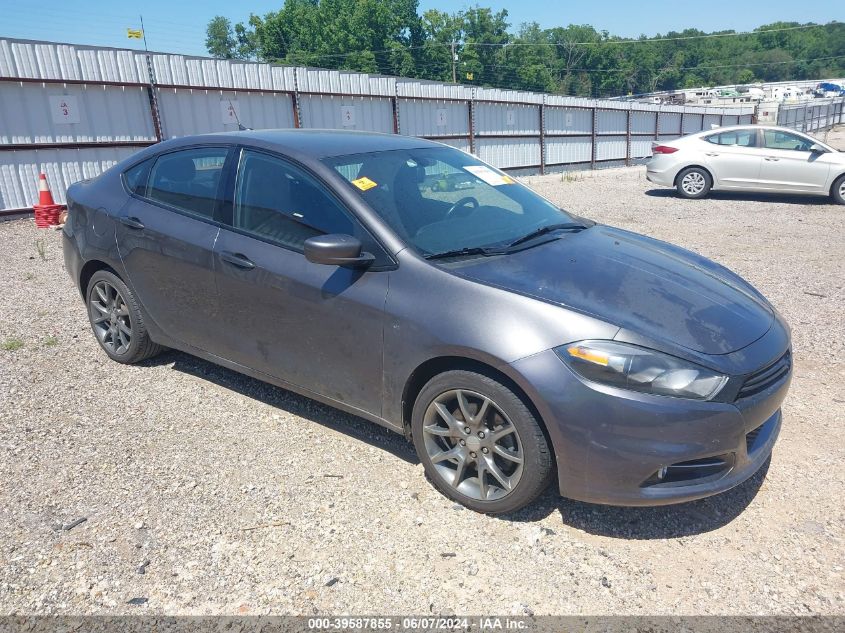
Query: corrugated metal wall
point(813, 115)
point(110, 110)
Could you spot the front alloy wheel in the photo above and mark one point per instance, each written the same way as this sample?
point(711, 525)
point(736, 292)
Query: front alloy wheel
point(479, 442)
point(473, 445)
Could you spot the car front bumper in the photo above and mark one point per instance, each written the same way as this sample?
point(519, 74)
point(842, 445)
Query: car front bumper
point(611, 444)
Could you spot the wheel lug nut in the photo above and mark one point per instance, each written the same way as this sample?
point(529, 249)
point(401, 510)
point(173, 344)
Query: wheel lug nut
point(485, 450)
point(467, 430)
point(463, 443)
point(473, 455)
point(481, 434)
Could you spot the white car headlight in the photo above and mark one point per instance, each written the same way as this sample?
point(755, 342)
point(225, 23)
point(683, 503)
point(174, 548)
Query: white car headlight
point(640, 369)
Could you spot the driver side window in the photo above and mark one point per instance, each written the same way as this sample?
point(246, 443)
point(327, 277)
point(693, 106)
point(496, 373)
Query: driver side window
point(277, 201)
point(776, 139)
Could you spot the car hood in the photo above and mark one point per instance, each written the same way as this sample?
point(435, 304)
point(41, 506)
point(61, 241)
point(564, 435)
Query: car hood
point(652, 288)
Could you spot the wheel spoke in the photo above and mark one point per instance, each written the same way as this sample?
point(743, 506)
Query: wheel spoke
point(100, 307)
point(434, 429)
point(459, 471)
point(124, 328)
point(448, 418)
point(444, 455)
point(101, 290)
point(502, 431)
point(506, 454)
point(494, 470)
point(483, 488)
point(464, 406)
point(482, 411)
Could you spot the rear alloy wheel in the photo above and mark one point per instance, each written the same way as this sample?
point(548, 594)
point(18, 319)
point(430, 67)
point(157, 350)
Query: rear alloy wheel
point(839, 190)
point(480, 445)
point(116, 319)
point(693, 182)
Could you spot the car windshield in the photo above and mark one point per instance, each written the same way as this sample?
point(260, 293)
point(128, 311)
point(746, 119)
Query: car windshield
point(441, 200)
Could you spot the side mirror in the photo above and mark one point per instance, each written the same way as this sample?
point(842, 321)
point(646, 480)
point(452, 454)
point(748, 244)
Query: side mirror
point(335, 249)
point(815, 148)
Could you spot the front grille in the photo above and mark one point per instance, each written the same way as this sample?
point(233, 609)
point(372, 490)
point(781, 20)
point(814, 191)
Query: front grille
point(766, 377)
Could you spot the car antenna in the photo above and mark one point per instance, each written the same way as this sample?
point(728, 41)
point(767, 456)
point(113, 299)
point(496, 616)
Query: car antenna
point(241, 128)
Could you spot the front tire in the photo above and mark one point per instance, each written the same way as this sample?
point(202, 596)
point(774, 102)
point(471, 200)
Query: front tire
point(116, 320)
point(479, 443)
point(693, 183)
point(838, 191)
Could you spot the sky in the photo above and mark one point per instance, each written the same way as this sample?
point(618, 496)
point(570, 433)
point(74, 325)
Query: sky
point(179, 27)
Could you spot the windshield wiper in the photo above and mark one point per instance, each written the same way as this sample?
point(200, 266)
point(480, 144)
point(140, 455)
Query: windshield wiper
point(461, 252)
point(546, 229)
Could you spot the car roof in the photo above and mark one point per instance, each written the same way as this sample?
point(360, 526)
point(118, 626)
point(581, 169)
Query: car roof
point(314, 144)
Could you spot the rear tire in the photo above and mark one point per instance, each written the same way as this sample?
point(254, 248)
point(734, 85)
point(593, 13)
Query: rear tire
point(838, 190)
point(116, 321)
point(693, 183)
point(479, 443)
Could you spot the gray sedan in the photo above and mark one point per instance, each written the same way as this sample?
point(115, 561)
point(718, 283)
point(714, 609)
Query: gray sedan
point(514, 343)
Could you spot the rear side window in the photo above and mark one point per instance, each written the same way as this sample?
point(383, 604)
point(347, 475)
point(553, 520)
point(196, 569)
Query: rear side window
point(189, 179)
point(279, 202)
point(743, 138)
point(136, 177)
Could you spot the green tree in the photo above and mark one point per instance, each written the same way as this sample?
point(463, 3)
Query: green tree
point(220, 40)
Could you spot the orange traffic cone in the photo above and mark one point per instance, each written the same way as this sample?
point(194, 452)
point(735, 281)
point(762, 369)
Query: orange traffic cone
point(46, 211)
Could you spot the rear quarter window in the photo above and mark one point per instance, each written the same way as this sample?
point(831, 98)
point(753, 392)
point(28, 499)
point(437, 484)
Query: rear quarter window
point(135, 178)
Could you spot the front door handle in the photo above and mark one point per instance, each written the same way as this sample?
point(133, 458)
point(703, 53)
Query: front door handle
point(772, 159)
point(711, 154)
point(132, 222)
point(236, 259)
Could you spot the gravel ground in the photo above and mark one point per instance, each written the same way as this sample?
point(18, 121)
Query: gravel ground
point(205, 492)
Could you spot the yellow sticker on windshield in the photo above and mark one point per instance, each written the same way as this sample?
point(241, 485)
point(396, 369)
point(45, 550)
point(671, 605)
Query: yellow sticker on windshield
point(364, 183)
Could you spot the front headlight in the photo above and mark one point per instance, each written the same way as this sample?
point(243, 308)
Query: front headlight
point(640, 369)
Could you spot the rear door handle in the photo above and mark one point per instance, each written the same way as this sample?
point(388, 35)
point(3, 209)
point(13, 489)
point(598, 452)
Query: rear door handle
point(711, 154)
point(132, 222)
point(236, 259)
point(772, 159)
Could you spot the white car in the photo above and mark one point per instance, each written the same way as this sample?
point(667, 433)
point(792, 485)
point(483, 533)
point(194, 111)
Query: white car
point(748, 158)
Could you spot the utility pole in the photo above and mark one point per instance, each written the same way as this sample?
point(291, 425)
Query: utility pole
point(454, 60)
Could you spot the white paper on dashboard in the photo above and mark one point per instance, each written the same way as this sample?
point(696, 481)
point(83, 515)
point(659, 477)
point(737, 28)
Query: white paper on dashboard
point(488, 175)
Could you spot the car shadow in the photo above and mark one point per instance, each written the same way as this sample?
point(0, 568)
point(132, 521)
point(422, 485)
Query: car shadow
point(783, 198)
point(644, 523)
point(637, 523)
point(288, 401)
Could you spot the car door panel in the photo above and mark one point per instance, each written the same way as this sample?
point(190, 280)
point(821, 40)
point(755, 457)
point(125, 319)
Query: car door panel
point(788, 165)
point(168, 254)
point(734, 166)
point(318, 327)
point(315, 326)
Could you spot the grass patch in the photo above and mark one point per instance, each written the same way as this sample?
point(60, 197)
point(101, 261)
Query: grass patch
point(11, 344)
point(51, 341)
point(41, 249)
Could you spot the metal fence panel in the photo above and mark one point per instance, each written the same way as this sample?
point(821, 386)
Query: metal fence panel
point(693, 123)
point(643, 122)
point(433, 118)
point(611, 148)
point(186, 112)
point(19, 171)
point(346, 113)
point(670, 123)
point(100, 113)
point(509, 152)
point(507, 119)
point(641, 147)
point(611, 122)
point(561, 151)
point(568, 120)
